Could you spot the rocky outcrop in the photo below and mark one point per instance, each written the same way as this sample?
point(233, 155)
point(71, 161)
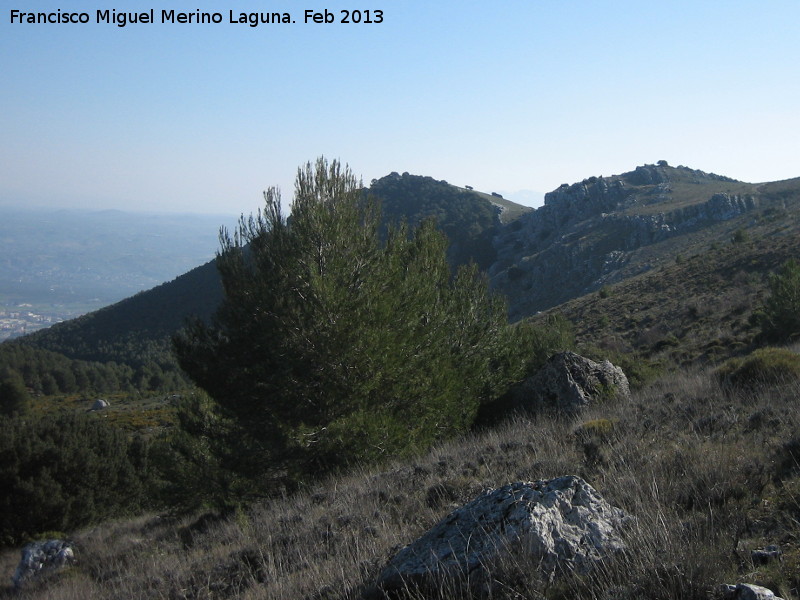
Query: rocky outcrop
point(647, 175)
point(42, 558)
point(562, 524)
point(561, 250)
point(587, 198)
point(570, 382)
point(643, 230)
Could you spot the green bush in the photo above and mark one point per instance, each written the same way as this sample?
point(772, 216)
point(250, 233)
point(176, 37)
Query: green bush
point(59, 473)
point(542, 339)
point(740, 236)
point(780, 318)
point(14, 397)
point(196, 463)
point(766, 366)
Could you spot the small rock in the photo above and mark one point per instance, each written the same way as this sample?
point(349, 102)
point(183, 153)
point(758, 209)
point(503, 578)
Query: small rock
point(765, 555)
point(100, 404)
point(747, 591)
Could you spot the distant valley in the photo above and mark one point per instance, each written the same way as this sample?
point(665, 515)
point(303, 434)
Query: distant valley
point(61, 263)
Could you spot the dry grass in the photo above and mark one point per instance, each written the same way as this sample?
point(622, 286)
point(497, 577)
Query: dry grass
point(709, 476)
point(697, 311)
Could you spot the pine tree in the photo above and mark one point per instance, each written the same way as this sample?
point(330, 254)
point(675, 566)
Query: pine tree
point(334, 346)
point(14, 397)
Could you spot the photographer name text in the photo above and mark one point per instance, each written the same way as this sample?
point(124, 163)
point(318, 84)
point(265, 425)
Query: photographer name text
point(197, 17)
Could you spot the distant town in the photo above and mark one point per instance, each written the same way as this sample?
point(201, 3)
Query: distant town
point(25, 318)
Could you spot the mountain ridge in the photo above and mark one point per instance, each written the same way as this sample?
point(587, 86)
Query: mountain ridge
point(590, 234)
point(602, 230)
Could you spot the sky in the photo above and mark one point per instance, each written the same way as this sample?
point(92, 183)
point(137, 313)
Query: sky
point(504, 96)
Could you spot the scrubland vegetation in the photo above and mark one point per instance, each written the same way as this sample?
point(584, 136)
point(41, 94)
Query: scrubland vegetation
point(709, 472)
point(338, 415)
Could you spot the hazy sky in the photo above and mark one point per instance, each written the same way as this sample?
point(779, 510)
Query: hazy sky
point(503, 96)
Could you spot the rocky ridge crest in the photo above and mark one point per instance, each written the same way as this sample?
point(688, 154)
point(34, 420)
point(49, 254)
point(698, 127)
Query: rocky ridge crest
point(587, 232)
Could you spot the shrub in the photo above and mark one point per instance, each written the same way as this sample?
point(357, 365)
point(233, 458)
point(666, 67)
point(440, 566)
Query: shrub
point(766, 366)
point(541, 340)
point(780, 318)
point(740, 236)
point(59, 473)
point(598, 428)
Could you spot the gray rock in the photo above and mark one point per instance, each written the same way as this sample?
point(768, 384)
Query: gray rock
point(746, 591)
point(41, 558)
point(100, 404)
point(762, 556)
point(563, 524)
point(570, 382)
point(723, 207)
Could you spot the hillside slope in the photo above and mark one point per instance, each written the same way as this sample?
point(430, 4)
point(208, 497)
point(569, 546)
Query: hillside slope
point(138, 326)
point(605, 230)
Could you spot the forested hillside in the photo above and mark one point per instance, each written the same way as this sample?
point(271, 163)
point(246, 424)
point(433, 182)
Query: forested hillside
point(469, 221)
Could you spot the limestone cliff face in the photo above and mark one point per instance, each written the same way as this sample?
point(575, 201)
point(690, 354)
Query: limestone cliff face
point(586, 232)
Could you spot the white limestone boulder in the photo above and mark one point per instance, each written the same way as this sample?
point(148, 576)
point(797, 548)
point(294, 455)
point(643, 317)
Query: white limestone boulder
point(563, 524)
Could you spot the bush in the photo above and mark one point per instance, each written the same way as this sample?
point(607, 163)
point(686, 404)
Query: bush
point(740, 236)
point(196, 462)
point(59, 473)
point(543, 339)
point(780, 318)
point(14, 397)
point(766, 366)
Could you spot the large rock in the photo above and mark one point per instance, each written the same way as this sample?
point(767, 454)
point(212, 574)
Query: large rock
point(563, 524)
point(41, 558)
point(570, 382)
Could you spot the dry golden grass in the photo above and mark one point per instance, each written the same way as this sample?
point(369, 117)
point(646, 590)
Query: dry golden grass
point(709, 475)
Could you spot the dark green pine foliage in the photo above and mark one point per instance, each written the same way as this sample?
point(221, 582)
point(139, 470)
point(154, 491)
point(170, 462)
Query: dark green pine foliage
point(198, 463)
point(14, 396)
point(332, 346)
point(781, 314)
point(468, 220)
point(58, 473)
point(49, 373)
